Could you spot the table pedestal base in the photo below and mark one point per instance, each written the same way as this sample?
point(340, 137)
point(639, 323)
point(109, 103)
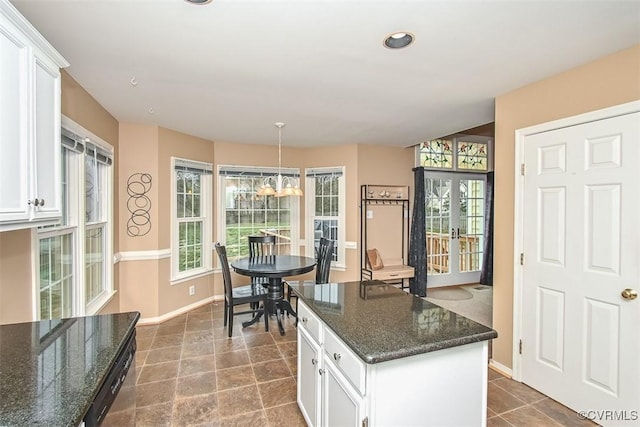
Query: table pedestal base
point(276, 305)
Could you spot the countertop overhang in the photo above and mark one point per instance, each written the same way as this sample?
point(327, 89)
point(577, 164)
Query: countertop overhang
point(380, 322)
point(51, 370)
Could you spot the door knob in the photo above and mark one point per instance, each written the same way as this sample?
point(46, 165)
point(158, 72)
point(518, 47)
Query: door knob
point(629, 294)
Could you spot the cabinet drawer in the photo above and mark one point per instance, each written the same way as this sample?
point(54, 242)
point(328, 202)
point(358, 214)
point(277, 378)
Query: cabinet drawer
point(345, 360)
point(309, 322)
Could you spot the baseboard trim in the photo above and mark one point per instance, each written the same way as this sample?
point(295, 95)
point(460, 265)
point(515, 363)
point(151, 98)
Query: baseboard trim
point(181, 310)
point(500, 368)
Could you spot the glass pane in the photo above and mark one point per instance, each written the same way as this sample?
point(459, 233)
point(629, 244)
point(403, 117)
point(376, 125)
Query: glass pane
point(56, 279)
point(438, 211)
point(471, 235)
point(246, 214)
point(94, 263)
point(437, 154)
point(472, 155)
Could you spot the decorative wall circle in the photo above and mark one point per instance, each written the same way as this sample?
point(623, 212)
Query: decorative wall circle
point(139, 204)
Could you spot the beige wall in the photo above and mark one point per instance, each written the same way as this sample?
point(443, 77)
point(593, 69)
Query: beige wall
point(609, 81)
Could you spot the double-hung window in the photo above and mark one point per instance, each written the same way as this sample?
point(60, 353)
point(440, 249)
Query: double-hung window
point(191, 247)
point(326, 210)
point(97, 239)
point(74, 269)
point(245, 213)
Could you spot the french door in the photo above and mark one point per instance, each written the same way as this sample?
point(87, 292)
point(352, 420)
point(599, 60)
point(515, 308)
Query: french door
point(454, 215)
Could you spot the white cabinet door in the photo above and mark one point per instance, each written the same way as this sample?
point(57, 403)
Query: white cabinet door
point(342, 406)
point(309, 364)
point(46, 158)
point(30, 187)
point(14, 130)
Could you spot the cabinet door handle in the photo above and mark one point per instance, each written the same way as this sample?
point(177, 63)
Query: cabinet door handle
point(36, 202)
point(321, 371)
point(337, 356)
point(304, 320)
point(41, 202)
point(314, 361)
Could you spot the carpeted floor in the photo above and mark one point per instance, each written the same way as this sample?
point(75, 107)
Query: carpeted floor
point(474, 301)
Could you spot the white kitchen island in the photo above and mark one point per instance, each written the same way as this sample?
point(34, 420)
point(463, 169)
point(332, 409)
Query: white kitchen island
point(370, 355)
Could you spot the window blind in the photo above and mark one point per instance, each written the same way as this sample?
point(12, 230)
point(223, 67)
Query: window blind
point(327, 171)
point(193, 166)
point(71, 141)
point(227, 170)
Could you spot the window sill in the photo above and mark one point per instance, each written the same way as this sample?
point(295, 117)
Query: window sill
point(96, 306)
point(198, 274)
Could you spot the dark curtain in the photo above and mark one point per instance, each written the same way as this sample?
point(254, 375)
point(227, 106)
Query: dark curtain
point(486, 275)
point(418, 238)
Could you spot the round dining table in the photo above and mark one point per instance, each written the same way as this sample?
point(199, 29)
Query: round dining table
point(275, 268)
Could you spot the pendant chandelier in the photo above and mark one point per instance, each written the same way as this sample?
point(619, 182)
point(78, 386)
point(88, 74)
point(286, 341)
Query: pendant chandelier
point(284, 185)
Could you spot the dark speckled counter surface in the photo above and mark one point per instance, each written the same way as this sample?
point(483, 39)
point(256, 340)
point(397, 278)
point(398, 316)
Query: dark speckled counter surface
point(51, 370)
point(380, 322)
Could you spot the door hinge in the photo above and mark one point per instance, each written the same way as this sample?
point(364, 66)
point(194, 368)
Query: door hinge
point(522, 169)
point(365, 422)
point(520, 347)
point(521, 258)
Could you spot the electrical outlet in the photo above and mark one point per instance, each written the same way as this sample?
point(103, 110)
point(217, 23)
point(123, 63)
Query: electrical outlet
point(369, 214)
point(192, 290)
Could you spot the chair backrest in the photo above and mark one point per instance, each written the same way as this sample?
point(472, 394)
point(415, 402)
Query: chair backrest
point(323, 264)
point(262, 245)
point(226, 272)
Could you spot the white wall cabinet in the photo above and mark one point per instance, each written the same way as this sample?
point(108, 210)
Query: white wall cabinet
point(30, 96)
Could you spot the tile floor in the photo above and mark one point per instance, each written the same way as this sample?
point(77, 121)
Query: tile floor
point(190, 374)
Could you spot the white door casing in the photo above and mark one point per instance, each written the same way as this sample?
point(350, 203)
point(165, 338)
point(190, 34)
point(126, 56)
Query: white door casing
point(577, 225)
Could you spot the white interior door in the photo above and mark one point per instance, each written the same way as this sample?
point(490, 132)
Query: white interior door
point(455, 227)
point(581, 240)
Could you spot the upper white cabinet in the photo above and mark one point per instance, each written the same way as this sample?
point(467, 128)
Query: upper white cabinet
point(29, 124)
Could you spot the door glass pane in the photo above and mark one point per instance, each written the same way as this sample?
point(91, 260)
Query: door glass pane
point(438, 212)
point(471, 223)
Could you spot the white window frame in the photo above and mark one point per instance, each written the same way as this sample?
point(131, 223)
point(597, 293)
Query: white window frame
point(76, 226)
point(310, 208)
point(264, 171)
point(205, 214)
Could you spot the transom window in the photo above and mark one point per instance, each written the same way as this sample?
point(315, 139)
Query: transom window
point(456, 154)
point(245, 213)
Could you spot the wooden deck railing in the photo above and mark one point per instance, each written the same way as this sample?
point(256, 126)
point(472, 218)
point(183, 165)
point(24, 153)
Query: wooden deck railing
point(438, 252)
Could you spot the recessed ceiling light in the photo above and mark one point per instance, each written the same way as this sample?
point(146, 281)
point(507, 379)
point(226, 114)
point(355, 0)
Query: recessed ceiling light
point(198, 1)
point(398, 40)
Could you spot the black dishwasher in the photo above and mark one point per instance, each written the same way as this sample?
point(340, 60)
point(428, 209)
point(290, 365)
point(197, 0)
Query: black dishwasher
point(117, 392)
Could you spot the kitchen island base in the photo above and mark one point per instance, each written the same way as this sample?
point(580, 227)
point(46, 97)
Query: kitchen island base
point(356, 370)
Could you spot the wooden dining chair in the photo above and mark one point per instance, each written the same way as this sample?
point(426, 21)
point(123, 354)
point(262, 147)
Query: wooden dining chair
point(259, 246)
point(255, 296)
point(324, 255)
point(262, 245)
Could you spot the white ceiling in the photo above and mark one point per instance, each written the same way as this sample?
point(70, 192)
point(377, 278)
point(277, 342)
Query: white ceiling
point(228, 70)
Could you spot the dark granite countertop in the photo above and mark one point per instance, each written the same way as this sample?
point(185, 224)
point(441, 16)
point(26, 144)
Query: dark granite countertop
point(380, 322)
point(51, 370)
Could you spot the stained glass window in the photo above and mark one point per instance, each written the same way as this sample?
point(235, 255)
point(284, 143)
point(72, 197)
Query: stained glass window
point(472, 155)
point(455, 154)
point(437, 153)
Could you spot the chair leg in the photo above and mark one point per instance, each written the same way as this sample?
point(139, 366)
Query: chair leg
point(265, 313)
point(230, 321)
point(226, 312)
